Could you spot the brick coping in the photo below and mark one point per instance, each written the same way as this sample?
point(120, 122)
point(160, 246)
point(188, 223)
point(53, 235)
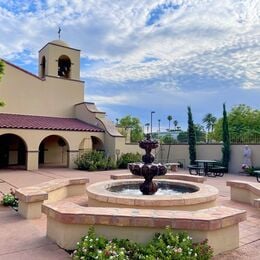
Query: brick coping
point(205, 193)
point(173, 176)
point(206, 219)
point(251, 186)
point(40, 192)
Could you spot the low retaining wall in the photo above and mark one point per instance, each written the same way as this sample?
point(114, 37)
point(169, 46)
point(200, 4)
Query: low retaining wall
point(169, 176)
point(31, 198)
point(67, 222)
point(247, 192)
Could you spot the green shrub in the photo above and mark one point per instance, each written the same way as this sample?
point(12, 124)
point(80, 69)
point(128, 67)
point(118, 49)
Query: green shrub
point(128, 158)
point(10, 200)
point(95, 160)
point(165, 245)
point(251, 170)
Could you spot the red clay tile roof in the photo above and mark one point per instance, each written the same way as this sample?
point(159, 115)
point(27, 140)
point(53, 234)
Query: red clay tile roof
point(45, 123)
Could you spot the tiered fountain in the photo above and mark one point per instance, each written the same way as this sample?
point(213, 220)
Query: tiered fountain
point(148, 169)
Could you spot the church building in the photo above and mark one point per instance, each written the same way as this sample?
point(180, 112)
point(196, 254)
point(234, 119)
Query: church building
point(45, 121)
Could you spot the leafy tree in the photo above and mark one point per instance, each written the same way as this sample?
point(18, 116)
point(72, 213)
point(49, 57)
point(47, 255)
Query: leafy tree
point(169, 118)
point(135, 125)
point(243, 123)
point(191, 138)
point(167, 139)
point(182, 137)
point(226, 141)
point(199, 134)
point(1, 74)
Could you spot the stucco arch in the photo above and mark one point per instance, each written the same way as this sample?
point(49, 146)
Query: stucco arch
point(97, 144)
point(13, 151)
point(53, 151)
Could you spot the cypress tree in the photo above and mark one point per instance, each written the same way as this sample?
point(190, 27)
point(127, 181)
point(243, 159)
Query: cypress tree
point(191, 138)
point(225, 138)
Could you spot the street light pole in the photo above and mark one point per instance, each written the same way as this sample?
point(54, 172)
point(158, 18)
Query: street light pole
point(152, 122)
point(159, 127)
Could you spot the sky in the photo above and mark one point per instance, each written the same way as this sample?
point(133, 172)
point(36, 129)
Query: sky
point(139, 56)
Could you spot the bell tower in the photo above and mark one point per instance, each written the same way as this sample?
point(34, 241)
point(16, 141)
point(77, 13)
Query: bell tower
point(57, 59)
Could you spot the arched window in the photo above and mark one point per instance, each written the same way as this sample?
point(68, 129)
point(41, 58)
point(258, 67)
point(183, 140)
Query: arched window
point(43, 66)
point(64, 66)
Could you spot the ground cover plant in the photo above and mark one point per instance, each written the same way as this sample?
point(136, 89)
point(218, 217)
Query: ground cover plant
point(166, 245)
point(95, 160)
point(9, 199)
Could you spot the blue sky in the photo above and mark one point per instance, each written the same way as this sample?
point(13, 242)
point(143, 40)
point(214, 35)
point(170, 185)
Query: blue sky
point(140, 56)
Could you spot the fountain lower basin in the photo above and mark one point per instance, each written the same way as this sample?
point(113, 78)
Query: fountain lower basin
point(202, 196)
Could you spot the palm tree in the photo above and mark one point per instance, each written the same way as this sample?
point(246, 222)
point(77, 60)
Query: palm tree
point(147, 129)
point(209, 120)
point(169, 118)
point(175, 122)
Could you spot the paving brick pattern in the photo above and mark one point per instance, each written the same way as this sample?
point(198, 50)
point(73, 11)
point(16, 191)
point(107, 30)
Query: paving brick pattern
point(25, 239)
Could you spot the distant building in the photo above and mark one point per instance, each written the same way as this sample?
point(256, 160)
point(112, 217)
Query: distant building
point(45, 121)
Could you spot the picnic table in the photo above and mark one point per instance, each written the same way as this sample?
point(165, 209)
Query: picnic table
point(257, 174)
point(205, 164)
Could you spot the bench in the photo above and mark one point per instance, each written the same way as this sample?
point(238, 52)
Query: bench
point(67, 222)
point(31, 198)
point(171, 176)
point(246, 192)
point(172, 166)
point(195, 169)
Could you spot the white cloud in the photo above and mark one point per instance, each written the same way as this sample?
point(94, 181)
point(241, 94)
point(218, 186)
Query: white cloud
point(108, 100)
point(194, 49)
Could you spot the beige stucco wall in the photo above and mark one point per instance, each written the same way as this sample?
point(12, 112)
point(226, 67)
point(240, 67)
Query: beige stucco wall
point(213, 152)
point(26, 94)
point(67, 235)
point(204, 151)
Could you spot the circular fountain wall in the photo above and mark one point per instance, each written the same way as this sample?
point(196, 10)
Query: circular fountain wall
point(172, 194)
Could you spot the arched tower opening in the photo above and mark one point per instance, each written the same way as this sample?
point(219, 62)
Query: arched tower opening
point(43, 67)
point(64, 66)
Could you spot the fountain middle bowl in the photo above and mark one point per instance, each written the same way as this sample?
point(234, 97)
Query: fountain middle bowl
point(103, 194)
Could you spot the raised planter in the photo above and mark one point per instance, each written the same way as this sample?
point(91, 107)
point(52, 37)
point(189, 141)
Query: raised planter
point(67, 222)
point(31, 198)
point(246, 192)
